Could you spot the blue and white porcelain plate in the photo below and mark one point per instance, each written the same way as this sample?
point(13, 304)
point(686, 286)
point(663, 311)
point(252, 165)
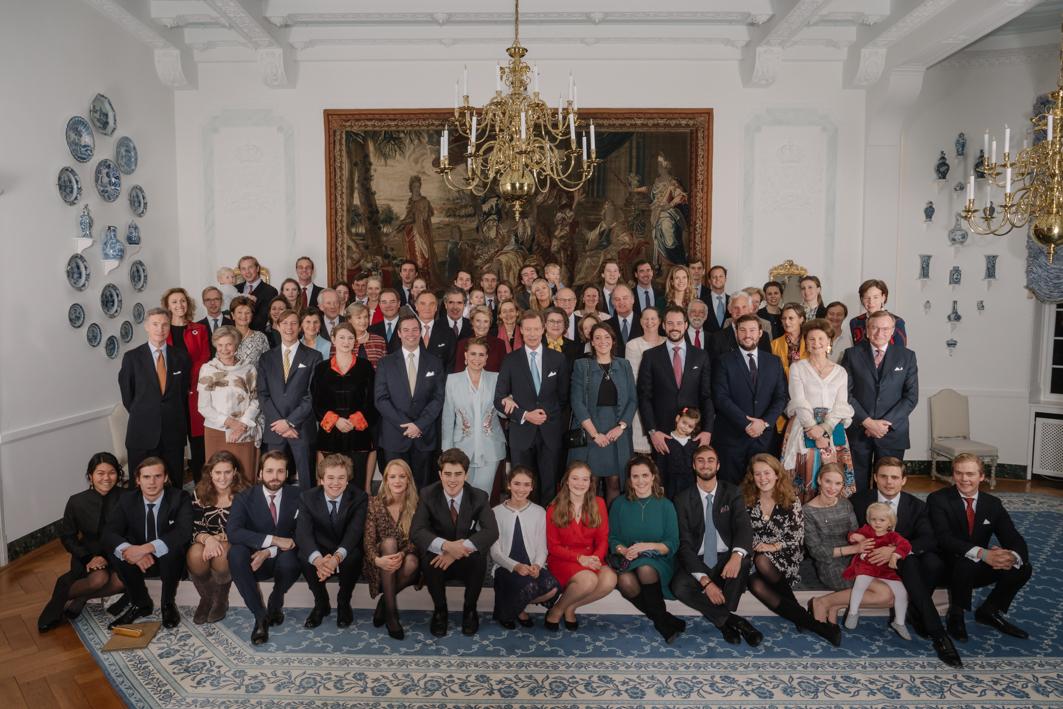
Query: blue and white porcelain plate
point(138, 313)
point(125, 154)
point(76, 315)
point(94, 335)
point(108, 180)
point(110, 348)
point(132, 234)
point(138, 275)
point(138, 201)
point(102, 114)
point(77, 272)
point(79, 139)
point(126, 331)
point(111, 300)
point(69, 185)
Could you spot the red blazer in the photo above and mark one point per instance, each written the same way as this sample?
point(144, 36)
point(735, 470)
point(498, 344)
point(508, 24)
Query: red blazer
point(518, 341)
point(564, 545)
point(496, 351)
point(197, 342)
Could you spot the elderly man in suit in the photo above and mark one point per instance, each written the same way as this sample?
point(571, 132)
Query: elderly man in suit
point(715, 540)
point(965, 520)
point(625, 321)
point(328, 301)
point(750, 393)
point(328, 537)
point(259, 291)
point(923, 568)
point(154, 381)
point(453, 315)
point(726, 339)
point(438, 339)
point(698, 333)
point(883, 390)
point(533, 390)
point(284, 378)
point(148, 531)
point(261, 531)
point(454, 527)
point(409, 389)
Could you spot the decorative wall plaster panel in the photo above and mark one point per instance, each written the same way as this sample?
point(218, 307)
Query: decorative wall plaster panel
point(766, 65)
point(271, 65)
point(872, 62)
point(169, 69)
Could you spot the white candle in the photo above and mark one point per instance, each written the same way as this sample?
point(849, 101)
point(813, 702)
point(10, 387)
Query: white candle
point(993, 158)
point(571, 85)
point(455, 95)
point(465, 80)
point(523, 126)
point(572, 128)
point(970, 188)
point(1007, 180)
point(442, 146)
point(498, 78)
point(472, 136)
point(584, 147)
point(1050, 117)
point(986, 147)
point(592, 138)
point(559, 119)
point(575, 98)
point(1007, 139)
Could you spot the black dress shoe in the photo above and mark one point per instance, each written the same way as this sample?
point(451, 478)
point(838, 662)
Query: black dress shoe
point(438, 626)
point(275, 617)
point(378, 614)
point(996, 619)
point(45, 626)
point(171, 617)
point(946, 651)
point(261, 632)
point(119, 606)
point(508, 624)
point(751, 635)
point(131, 614)
point(344, 615)
point(317, 614)
point(957, 627)
point(831, 632)
point(470, 622)
point(526, 622)
point(730, 633)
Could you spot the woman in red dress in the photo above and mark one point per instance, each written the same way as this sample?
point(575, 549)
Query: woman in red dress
point(577, 537)
point(193, 338)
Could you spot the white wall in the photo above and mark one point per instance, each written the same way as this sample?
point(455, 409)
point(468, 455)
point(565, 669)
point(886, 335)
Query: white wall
point(56, 56)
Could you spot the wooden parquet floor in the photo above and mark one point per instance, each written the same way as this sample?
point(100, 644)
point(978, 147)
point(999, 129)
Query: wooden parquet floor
point(55, 670)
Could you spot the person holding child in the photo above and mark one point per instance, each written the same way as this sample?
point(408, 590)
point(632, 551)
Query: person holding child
point(881, 520)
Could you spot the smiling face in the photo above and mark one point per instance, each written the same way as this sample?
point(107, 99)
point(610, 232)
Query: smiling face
point(675, 326)
point(610, 275)
point(528, 274)
point(809, 292)
point(540, 290)
point(706, 464)
point(360, 321)
point(426, 306)
point(289, 329)
point(602, 342)
point(274, 473)
point(873, 300)
point(817, 342)
point(334, 480)
point(103, 478)
point(177, 304)
point(455, 305)
point(151, 481)
point(765, 477)
point(304, 271)
point(698, 313)
point(836, 316)
point(311, 326)
point(590, 300)
point(748, 335)
point(249, 269)
point(623, 301)
point(373, 286)
point(503, 292)
point(641, 478)
point(773, 295)
point(650, 321)
point(290, 291)
point(880, 331)
point(791, 322)
point(717, 279)
point(463, 280)
point(532, 332)
point(680, 281)
point(344, 341)
point(453, 478)
point(242, 315)
point(555, 326)
point(397, 481)
point(158, 329)
point(419, 286)
point(221, 476)
point(275, 309)
point(579, 482)
point(212, 301)
point(967, 475)
point(507, 313)
point(520, 488)
point(329, 301)
point(476, 358)
point(830, 484)
point(644, 275)
point(389, 305)
point(890, 479)
point(410, 334)
point(481, 324)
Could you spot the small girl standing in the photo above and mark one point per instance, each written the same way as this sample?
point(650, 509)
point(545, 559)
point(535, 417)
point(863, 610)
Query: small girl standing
point(880, 523)
point(680, 459)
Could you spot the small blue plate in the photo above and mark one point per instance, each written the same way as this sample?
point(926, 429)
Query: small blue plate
point(111, 300)
point(77, 272)
point(69, 185)
point(126, 331)
point(102, 114)
point(110, 348)
point(76, 315)
point(138, 313)
point(94, 335)
point(80, 139)
point(138, 201)
point(138, 275)
point(125, 154)
point(108, 180)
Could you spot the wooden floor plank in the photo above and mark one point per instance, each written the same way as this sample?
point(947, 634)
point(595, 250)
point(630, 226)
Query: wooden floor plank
point(37, 693)
point(10, 695)
point(67, 691)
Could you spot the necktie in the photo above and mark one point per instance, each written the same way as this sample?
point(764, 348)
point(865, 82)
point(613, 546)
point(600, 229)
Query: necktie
point(151, 535)
point(453, 513)
point(411, 372)
point(333, 509)
point(273, 508)
point(752, 369)
point(624, 331)
point(878, 357)
point(709, 554)
point(536, 377)
point(646, 298)
point(302, 298)
point(388, 332)
point(491, 303)
point(287, 362)
point(609, 302)
point(719, 310)
point(677, 366)
point(970, 515)
point(215, 325)
point(427, 335)
point(160, 371)
point(457, 330)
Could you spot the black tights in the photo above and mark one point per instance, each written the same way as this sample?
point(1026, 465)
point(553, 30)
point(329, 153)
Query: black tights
point(630, 583)
point(771, 588)
point(391, 582)
point(98, 584)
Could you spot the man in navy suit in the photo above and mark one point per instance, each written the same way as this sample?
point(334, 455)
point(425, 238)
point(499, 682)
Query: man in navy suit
point(883, 390)
point(437, 338)
point(750, 393)
point(409, 389)
point(533, 389)
point(646, 296)
point(716, 298)
point(284, 376)
point(215, 318)
point(328, 537)
point(260, 291)
point(148, 531)
point(625, 321)
point(261, 531)
point(673, 376)
point(154, 381)
point(407, 275)
point(453, 316)
point(388, 327)
point(725, 340)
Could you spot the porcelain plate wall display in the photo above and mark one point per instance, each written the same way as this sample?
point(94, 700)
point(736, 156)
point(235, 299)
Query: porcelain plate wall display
point(110, 348)
point(77, 272)
point(126, 331)
point(76, 315)
point(138, 313)
point(69, 185)
point(93, 335)
point(138, 275)
point(108, 180)
point(102, 114)
point(80, 139)
point(138, 201)
point(111, 300)
point(125, 154)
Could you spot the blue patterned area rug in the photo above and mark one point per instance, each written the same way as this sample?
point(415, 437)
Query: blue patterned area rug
point(611, 661)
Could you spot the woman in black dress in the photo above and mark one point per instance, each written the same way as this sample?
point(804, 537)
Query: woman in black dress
point(342, 392)
point(91, 574)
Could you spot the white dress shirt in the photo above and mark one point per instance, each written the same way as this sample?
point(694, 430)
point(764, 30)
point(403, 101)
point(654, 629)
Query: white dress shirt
point(436, 547)
point(340, 552)
point(267, 543)
point(160, 546)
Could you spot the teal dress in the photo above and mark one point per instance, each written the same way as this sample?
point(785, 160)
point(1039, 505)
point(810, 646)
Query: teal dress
point(650, 519)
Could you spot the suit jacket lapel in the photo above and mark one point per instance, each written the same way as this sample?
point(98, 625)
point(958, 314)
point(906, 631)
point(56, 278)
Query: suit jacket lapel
point(688, 366)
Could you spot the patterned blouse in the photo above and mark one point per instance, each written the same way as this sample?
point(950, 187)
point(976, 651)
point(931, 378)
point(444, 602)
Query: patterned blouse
point(786, 527)
point(372, 349)
point(380, 525)
point(230, 391)
point(208, 519)
point(253, 346)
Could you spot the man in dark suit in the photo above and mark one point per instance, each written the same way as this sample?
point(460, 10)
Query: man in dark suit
point(261, 531)
point(698, 334)
point(715, 539)
point(646, 296)
point(389, 326)
point(625, 322)
point(533, 389)
point(965, 520)
point(883, 390)
point(409, 389)
point(437, 339)
point(923, 568)
point(215, 318)
point(726, 339)
point(454, 527)
point(453, 315)
point(328, 537)
point(304, 276)
point(148, 531)
point(566, 301)
point(528, 274)
point(331, 312)
point(407, 275)
point(697, 280)
point(155, 381)
point(673, 376)
point(284, 376)
point(716, 298)
point(750, 393)
point(258, 289)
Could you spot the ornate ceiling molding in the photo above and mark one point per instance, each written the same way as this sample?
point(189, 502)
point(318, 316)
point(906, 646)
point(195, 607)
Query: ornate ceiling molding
point(780, 33)
point(292, 19)
point(270, 54)
point(986, 59)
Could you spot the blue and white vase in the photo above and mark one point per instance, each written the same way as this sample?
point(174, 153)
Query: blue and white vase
point(924, 267)
point(954, 316)
point(928, 212)
point(941, 168)
point(950, 345)
point(979, 165)
point(113, 249)
point(957, 234)
point(990, 267)
point(84, 239)
point(955, 276)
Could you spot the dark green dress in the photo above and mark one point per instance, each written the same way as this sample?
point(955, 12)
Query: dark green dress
point(650, 519)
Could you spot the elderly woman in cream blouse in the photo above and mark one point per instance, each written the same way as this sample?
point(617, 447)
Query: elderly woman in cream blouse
point(228, 402)
point(470, 421)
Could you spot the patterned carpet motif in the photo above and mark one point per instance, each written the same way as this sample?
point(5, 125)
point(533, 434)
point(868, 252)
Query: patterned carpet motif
point(611, 661)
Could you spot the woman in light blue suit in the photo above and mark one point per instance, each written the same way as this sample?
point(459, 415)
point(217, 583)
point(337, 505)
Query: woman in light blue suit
point(470, 420)
point(603, 403)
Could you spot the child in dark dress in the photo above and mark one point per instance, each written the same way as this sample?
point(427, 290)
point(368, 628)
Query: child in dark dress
point(680, 459)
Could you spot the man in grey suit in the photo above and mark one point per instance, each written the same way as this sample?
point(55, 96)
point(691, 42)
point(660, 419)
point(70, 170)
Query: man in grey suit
point(409, 392)
point(284, 375)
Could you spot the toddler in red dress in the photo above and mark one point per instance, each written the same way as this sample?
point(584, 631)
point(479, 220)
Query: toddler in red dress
point(881, 520)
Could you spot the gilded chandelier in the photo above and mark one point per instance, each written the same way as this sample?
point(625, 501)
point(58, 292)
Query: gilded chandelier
point(1032, 182)
point(516, 142)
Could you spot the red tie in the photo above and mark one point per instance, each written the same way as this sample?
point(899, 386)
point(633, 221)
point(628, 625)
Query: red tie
point(302, 298)
point(697, 338)
point(970, 515)
point(677, 367)
point(273, 508)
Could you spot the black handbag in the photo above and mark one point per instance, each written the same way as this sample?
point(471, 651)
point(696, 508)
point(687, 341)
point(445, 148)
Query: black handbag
point(576, 438)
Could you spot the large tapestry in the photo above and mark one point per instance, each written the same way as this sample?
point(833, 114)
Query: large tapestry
point(650, 197)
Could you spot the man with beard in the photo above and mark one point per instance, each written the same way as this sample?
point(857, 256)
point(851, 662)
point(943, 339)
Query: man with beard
point(697, 334)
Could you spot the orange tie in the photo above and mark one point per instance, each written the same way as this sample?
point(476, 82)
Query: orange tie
point(160, 371)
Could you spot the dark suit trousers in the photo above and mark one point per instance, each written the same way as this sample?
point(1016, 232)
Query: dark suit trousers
point(735, 454)
point(967, 575)
point(920, 574)
point(283, 569)
point(348, 572)
point(470, 571)
point(173, 455)
point(688, 590)
point(865, 452)
point(301, 454)
point(169, 568)
point(424, 464)
point(543, 459)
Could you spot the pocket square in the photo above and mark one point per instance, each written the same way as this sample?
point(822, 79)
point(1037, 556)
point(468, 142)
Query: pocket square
point(693, 368)
point(429, 374)
point(985, 521)
point(296, 515)
point(725, 508)
point(551, 374)
point(302, 366)
point(898, 369)
point(177, 372)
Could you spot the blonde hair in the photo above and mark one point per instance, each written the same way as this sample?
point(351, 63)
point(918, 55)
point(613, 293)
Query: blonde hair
point(882, 508)
point(409, 502)
point(670, 294)
point(562, 514)
point(783, 493)
point(225, 271)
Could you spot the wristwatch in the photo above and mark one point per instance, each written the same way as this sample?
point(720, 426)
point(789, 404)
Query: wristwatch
point(623, 425)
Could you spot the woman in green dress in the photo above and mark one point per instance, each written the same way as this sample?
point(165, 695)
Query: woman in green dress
point(643, 540)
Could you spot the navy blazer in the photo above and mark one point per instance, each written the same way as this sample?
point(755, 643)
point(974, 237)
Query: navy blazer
point(289, 400)
point(515, 378)
point(315, 531)
point(711, 323)
point(250, 521)
point(476, 520)
point(735, 397)
point(396, 407)
point(658, 300)
point(659, 398)
point(155, 417)
point(442, 344)
point(634, 330)
point(729, 514)
point(380, 328)
point(948, 515)
point(263, 295)
point(913, 519)
point(888, 392)
point(127, 523)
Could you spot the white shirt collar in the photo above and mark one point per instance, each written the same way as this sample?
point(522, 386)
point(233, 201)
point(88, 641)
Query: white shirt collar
point(682, 440)
point(333, 499)
point(885, 500)
point(456, 498)
point(276, 495)
point(746, 353)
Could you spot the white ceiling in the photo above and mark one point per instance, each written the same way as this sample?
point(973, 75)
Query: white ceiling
point(869, 37)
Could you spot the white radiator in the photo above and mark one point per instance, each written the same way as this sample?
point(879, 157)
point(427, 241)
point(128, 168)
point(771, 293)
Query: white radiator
point(1048, 445)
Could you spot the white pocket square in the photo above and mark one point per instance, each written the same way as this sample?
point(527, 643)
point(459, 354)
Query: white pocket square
point(177, 372)
point(296, 515)
point(985, 521)
point(429, 374)
point(302, 366)
point(550, 374)
point(898, 369)
point(693, 368)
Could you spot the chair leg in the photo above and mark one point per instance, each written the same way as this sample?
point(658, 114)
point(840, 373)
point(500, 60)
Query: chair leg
point(993, 472)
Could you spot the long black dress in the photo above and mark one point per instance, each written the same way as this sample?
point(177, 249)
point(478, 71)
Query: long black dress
point(340, 395)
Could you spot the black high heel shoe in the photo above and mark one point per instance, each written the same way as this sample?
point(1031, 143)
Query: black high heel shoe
point(378, 614)
point(395, 629)
point(552, 625)
point(526, 622)
point(571, 624)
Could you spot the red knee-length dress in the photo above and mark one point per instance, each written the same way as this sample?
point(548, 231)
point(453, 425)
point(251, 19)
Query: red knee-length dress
point(860, 566)
point(564, 545)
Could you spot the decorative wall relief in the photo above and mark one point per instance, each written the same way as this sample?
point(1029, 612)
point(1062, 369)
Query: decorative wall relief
point(980, 306)
point(955, 276)
point(959, 186)
point(957, 234)
point(990, 267)
point(928, 212)
point(961, 144)
point(941, 168)
point(924, 266)
point(954, 316)
point(926, 307)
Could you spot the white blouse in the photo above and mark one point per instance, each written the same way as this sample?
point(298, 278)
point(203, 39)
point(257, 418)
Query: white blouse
point(532, 527)
point(808, 391)
point(226, 391)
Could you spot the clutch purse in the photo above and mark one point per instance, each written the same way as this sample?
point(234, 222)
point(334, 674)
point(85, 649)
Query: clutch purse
point(617, 562)
point(576, 438)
